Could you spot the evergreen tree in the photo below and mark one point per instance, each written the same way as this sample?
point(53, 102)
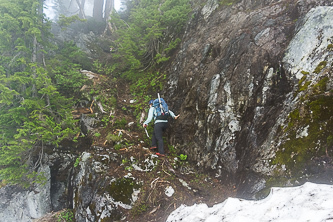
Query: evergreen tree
point(144, 37)
point(33, 113)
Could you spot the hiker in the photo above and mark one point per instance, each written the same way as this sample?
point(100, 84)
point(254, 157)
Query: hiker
point(160, 126)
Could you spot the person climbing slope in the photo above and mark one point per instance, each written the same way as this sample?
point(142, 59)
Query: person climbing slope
point(159, 112)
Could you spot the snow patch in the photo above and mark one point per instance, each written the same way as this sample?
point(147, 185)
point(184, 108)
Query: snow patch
point(309, 202)
point(169, 191)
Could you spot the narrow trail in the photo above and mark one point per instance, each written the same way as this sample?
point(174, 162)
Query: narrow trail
point(165, 182)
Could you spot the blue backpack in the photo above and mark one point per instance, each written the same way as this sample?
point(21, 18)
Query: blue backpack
point(161, 108)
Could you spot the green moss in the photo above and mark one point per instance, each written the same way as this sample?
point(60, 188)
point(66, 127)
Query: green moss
point(139, 208)
point(120, 123)
point(329, 140)
point(116, 217)
point(112, 101)
point(295, 153)
point(302, 85)
point(305, 86)
point(118, 146)
point(330, 47)
point(122, 190)
point(304, 72)
point(293, 118)
point(321, 85)
point(113, 138)
point(227, 2)
point(322, 108)
point(320, 67)
point(294, 115)
point(300, 82)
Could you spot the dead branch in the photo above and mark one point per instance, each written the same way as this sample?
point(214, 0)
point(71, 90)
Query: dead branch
point(155, 209)
point(151, 184)
point(91, 106)
point(100, 107)
point(163, 168)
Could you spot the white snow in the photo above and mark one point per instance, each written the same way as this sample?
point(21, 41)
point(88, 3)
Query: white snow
point(169, 191)
point(309, 202)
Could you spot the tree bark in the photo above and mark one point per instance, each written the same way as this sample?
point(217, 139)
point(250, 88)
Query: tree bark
point(35, 48)
point(81, 8)
point(98, 10)
point(109, 7)
point(34, 60)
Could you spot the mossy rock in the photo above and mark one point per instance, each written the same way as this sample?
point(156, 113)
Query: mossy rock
point(228, 2)
point(321, 85)
point(122, 189)
point(302, 85)
point(297, 151)
point(320, 67)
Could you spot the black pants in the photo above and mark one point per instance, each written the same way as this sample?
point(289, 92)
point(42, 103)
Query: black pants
point(157, 140)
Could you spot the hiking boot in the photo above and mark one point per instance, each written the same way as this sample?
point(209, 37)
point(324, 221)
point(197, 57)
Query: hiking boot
point(153, 147)
point(160, 154)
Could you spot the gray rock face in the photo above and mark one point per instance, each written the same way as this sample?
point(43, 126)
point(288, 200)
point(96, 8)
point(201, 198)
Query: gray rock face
point(309, 46)
point(87, 123)
point(80, 183)
point(97, 197)
point(235, 95)
point(306, 50)
point(19, 204)
point(25, 205)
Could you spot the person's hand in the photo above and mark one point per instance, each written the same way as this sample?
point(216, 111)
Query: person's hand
point(176, 117)
point(144, 125)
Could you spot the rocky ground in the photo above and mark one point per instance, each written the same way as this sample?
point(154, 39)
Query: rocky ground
point(174, 179)
point(189, 187)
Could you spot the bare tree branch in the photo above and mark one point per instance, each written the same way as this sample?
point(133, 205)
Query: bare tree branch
point(81, 8)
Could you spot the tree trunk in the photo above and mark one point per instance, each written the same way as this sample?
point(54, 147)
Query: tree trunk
point(81, 8)
point(34, 57)
point(98, 10)
point(109, 7)
point(34, 60)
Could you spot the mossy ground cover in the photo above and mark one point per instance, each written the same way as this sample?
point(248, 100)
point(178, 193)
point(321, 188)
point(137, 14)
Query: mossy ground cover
point(122, 189)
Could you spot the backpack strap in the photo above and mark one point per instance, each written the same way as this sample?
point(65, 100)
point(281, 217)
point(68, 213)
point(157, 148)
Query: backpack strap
point(154, 112)
point(159, 100)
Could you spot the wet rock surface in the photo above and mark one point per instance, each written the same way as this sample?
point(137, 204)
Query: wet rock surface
point(18, 204)
point(234, 81)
